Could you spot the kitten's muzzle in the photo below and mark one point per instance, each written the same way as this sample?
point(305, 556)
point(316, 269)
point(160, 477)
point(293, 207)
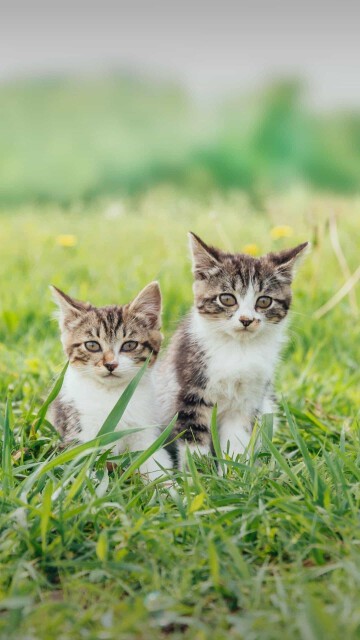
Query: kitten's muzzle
point(111, 366)
point(245, 321)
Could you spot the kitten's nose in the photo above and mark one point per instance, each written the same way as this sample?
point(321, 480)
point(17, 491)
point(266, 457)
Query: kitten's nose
point(246, 321)
point(111, 366)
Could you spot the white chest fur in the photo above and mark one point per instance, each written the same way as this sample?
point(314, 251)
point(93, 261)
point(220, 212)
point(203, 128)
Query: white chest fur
point(238, 370)
point(94, 401)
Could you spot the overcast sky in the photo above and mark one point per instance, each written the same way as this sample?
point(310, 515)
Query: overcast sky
point(212, 47)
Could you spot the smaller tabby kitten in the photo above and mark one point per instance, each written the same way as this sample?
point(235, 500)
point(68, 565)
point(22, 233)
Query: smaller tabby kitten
point(226, 350)
point(106, 346)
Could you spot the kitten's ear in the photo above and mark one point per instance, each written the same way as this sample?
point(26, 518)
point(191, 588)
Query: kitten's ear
point(287, 260)
point(147, 304)
point(204, 258)
point(69, 308)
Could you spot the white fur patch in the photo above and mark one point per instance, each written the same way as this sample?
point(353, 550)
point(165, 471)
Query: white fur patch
point(240, 366)
point(94, 400)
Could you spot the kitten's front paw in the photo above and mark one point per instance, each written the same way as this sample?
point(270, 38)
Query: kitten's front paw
point(152, 468)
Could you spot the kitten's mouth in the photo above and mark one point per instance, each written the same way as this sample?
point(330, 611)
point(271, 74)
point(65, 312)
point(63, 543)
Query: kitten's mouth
point(249, 331)
point(111, 375)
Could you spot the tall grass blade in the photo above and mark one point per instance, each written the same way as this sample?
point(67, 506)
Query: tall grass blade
point(8, 479)
point(281, 461)
point(51, 397)
point(45, 513)
point(144, 455)
point(117, 412)
point(215, 439)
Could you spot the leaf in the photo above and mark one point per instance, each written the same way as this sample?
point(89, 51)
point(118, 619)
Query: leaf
point(197, 502)
point(102, 546)
point(117, 412)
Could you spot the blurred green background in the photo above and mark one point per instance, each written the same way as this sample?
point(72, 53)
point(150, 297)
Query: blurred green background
point(64, 139)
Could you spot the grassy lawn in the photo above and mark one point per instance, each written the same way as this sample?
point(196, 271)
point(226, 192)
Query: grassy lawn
point(270, 551)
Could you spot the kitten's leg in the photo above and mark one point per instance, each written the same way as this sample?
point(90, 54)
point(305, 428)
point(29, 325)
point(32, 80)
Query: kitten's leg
point(235, 433)
point(151, 468)
point(236, 429)
point(194, 419)
point(193, 447)
point(270, 406)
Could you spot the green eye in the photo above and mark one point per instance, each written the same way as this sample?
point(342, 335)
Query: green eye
point(227, 299)
point(264, 302)
point(130, 345)
point(92, 346)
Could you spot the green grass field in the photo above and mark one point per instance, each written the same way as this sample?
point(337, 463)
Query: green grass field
point(270, 551)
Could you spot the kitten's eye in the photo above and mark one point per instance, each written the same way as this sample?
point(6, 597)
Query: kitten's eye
point(92, 346)
point(130, 345)
point(264, 302)
point(227, 299)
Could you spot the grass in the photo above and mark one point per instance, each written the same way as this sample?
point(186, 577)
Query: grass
point(269, 551)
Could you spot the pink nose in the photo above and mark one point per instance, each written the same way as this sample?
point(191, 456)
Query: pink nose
point(246, 321)
point(111, 366)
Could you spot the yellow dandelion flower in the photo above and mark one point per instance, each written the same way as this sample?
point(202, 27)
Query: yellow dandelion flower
point(252, 249)
point(282, 231)
point(66, 240)
point(33, 365)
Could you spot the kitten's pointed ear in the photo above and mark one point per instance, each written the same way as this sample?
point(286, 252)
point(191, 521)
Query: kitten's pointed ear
point(204, 258)
point(147, 304)
point(69, 308)
point(287, 260)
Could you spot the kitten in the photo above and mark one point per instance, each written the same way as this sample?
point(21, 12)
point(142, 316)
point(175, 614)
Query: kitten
point(226, 350)
point(106, 346)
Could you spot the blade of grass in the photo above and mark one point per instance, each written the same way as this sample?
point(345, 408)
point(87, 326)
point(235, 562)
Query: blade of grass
point(51, 397)
point(45, 513)
point(216, 440)
point(117, 412)
point(144, 455)
point(8, 479)
point(281, 461)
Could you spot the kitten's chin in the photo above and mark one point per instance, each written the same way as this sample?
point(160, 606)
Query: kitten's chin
point(112, 380)
point(245, 334)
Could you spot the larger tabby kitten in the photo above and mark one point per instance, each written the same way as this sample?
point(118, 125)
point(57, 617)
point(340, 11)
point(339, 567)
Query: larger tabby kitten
point(105, 347)
point(226, 350)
